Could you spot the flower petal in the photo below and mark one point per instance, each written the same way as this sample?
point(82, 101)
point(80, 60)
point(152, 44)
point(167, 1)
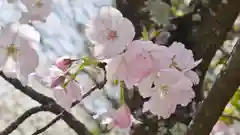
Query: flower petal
point(193, 76)
point(28, 59)
point(74, 90)
point(62, 99)
point(3, 57)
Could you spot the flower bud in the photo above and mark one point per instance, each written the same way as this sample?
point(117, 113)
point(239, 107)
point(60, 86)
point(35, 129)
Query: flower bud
point(64, 63)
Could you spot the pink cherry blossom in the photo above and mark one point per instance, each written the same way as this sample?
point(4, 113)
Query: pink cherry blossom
point(64, 62)
point(167, 89)
point(136, 63)
point(54, 78)
point(36, 10)
point(182, 59)
point(66, 96)
point(110, 32)
point(18, 58)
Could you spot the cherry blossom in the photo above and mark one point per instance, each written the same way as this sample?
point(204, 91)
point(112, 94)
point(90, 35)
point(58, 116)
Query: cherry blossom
point(66, 96)
point(164, 89)
point(54, 79)
point(137, 62)
point(110, 32)
point(182, 59)
point(36, 9)
point(18, 58)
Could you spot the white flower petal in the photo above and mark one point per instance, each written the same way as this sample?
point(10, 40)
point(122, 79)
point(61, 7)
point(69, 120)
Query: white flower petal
point(193, 76)
point(62, 99)
point(28, 60)
point(3, 57)
point(74, 90)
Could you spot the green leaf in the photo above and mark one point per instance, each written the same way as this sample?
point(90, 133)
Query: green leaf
point(115, 82)
point(96, 131)
point(87, 61)
point(235, 100)
point(145, 34)
point(236, 28)
point(154, 34)
point(226, 120)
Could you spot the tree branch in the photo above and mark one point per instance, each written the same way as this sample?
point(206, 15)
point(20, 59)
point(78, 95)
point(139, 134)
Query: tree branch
point(48, 125)
point(70, 120)
point(22, 118)
point(217, 20)
point(221, 92)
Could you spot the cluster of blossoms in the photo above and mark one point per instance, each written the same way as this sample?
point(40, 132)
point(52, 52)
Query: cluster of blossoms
point(162, 73)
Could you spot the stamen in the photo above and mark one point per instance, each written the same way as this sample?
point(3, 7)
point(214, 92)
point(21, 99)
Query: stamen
point(112, 35)
point(11, 50)
point(164, 90)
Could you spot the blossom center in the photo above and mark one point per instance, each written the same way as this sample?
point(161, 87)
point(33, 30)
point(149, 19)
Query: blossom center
point(38, 3)
point(112, 35)
point(174, 64)
point(164, 90)
point(11, 50)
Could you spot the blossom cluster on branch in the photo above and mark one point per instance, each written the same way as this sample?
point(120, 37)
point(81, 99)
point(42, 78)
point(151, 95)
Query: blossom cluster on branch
point(163, 74)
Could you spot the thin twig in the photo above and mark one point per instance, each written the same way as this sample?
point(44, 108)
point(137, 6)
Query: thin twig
point(48, 125)
point(22, 118)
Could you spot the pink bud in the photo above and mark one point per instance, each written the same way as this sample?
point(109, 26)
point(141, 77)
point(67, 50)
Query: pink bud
point(64, 63)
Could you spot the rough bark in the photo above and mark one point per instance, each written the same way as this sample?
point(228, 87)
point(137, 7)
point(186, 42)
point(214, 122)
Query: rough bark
point(217, 20)
point(221, 92)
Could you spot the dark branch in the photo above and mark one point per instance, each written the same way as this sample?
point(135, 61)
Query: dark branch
point(22, 118)
point(221, 92)
point(70, 120)
point(217, 20)
point(48, 125)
